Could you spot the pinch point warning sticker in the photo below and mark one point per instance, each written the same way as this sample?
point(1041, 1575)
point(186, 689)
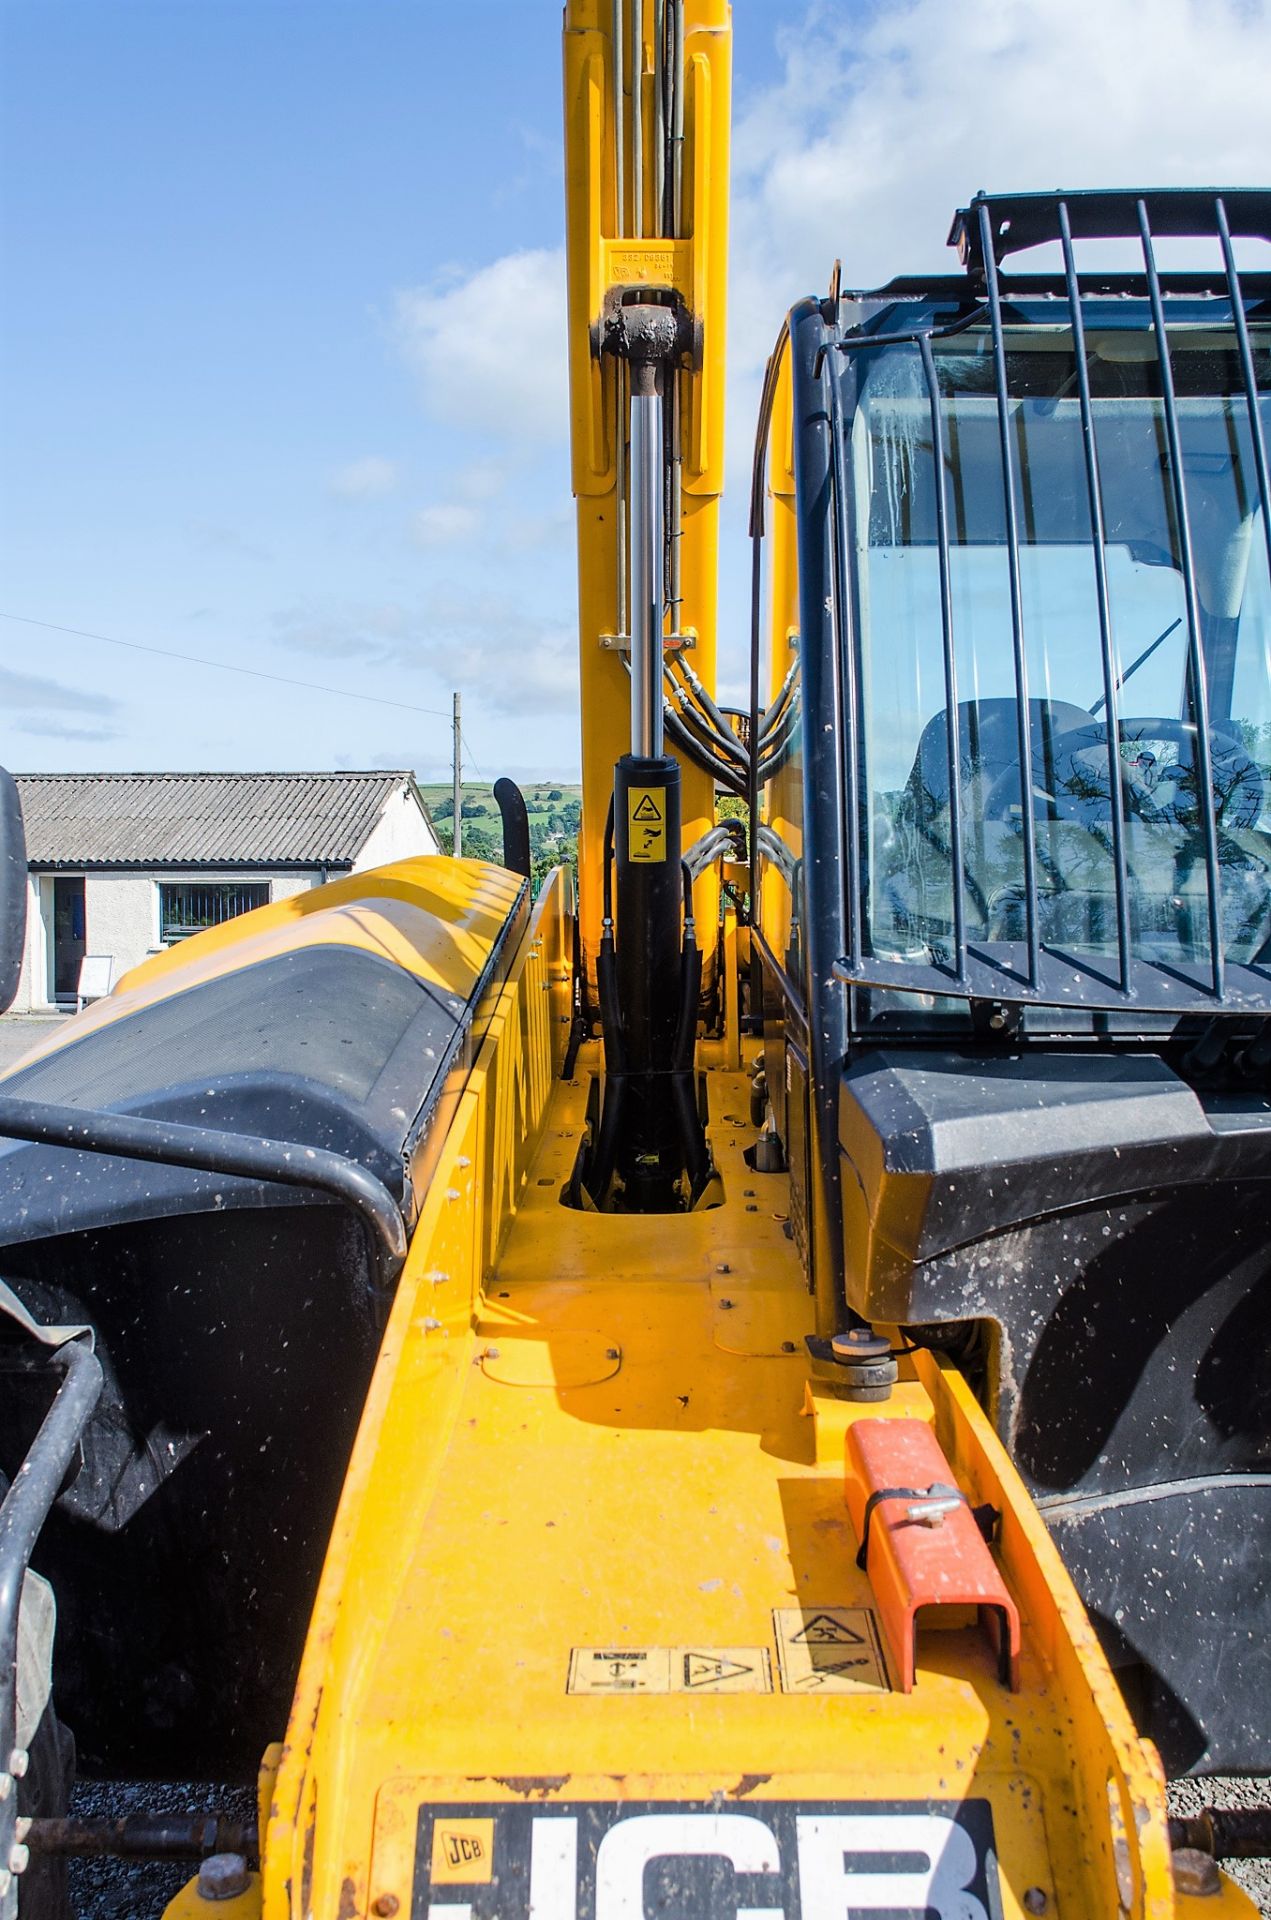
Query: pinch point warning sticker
point(670, 1670)
point(646, 824)
point(829, 1650)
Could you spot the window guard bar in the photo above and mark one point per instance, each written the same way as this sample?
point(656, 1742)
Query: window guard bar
point(1027, 972)
point(1014, 222)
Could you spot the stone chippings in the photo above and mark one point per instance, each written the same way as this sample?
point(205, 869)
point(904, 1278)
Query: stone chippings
point(109, 1889)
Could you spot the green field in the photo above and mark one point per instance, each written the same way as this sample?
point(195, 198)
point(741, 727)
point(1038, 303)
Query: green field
point(553, 807)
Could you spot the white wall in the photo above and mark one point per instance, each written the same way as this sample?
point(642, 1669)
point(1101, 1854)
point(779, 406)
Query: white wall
point(121, 918)
point(31, 987)
point(121, 910)
point(402, 831)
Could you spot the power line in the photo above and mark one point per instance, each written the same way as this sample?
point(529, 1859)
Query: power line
point(477, 766)
point(225, 666)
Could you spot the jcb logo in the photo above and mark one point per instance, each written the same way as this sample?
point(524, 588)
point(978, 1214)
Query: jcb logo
point(462, 1850)
point(777, 1860)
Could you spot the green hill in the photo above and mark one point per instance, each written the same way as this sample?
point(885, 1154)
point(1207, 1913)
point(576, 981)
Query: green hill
point(554, 808)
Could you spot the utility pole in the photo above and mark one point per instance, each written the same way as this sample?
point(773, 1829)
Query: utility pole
point(458, 774)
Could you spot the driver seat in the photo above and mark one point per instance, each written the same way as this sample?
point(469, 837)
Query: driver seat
point(988, 745)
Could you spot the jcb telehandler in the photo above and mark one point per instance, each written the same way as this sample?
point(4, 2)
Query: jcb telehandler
point(679, 1403)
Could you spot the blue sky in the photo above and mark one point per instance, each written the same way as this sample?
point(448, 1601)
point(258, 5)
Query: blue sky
point(263, 266)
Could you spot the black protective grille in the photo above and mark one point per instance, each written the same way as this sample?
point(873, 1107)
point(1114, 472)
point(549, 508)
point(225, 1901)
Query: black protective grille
point(1042, 961)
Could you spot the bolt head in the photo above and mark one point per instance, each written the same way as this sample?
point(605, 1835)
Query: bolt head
point(385, 1906)
point(1196, 1873)
point(223, 1876)
point(1035, 1900)
point(19, 1857)
point(19, 1761)
point(860, 1343)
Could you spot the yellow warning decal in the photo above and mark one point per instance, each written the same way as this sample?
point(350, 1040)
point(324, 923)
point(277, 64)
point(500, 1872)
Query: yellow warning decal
point(670, 1670)
point(462, 1852)
point(829, 1650)
point(646, 824)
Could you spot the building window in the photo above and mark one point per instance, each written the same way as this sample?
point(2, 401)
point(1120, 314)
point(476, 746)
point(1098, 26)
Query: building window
point(187, 907)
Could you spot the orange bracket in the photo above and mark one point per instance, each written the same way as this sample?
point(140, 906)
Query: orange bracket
point(920, 1542)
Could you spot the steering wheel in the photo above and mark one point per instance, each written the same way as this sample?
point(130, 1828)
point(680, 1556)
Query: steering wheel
point(1159, 786)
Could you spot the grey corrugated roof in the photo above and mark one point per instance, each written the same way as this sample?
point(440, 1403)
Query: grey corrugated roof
point(201, 819)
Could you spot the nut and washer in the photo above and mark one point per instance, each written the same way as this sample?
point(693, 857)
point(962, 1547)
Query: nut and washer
point(223, 1876)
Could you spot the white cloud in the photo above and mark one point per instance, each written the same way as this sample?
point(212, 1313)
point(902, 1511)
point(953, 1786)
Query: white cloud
point(32, 693)
point(883, 120)
point(880, 118)
point(482, 479)
point(489, 348)
point(367, 479)
point(508, 660)
point(447, 524)
point(338, 631)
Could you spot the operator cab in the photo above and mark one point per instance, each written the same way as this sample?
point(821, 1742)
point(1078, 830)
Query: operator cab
point(1014, 933)
point(1086, 793)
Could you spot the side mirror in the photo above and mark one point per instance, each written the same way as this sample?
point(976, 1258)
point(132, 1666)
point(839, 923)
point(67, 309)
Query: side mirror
point(13, 890)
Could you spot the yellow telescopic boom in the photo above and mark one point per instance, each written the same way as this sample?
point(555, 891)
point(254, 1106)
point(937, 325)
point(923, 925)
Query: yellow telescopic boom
point(646, 154)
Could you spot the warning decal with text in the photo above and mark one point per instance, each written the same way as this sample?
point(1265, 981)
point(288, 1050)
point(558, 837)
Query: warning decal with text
point(670, 1670)
point(829, 1650)
point(646, 824)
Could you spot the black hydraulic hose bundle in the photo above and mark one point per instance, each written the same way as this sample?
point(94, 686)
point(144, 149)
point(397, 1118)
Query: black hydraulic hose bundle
point(25, 1509)
point(605, 1150)
point(697, 1161)
point(648, 983)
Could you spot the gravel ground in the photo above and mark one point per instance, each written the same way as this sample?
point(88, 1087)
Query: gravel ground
point(140, 1890)
point(1190, 1796)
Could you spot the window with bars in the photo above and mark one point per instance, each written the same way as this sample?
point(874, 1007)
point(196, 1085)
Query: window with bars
point(187, 907)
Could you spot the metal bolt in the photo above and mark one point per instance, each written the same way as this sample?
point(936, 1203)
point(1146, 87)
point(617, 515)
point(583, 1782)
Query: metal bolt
point(723, 1267)
point(19, 1761)
point(612, 1353)
point(223, 1876)
point(19, 1856)
point(463, 1161)
point(1196, 1873)
point(930, 1513)
point(725, 1305)
point(788, 1346)
point(1035, 1900)
point(453, 1193)
point(386, 1905)
point(491, 1353)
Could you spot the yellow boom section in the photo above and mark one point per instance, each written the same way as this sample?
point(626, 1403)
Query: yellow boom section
point(675, 243)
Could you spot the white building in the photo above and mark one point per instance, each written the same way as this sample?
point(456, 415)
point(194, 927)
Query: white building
point(122, 864)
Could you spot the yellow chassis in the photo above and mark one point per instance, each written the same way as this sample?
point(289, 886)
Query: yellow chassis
point(596, 1435)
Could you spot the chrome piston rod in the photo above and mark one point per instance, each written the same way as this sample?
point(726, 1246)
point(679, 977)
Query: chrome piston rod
point(646, 564)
